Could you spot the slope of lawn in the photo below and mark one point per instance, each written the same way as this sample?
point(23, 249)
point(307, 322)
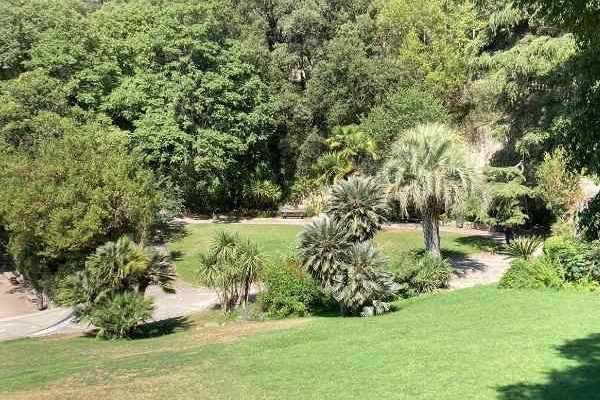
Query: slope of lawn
point(278, 241)
point(480, 343)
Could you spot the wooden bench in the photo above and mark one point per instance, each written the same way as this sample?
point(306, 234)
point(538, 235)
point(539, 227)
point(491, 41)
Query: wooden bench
point(288, 212)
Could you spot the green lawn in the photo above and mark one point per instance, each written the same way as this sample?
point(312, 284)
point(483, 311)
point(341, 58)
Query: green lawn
point(279, 240)
point(480, 343)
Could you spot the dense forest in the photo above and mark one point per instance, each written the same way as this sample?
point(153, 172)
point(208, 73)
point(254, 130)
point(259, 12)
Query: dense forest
point(116, 115)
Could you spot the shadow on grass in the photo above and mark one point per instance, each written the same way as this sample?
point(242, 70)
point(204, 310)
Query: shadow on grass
point(481, 243)
point(581, 382)
point(162, 328)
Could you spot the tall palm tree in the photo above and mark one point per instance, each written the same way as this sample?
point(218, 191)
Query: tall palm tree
point(429, 169)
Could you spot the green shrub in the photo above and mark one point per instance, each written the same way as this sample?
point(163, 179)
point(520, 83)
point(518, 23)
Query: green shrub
point(533, 274)
point(419, 274)
point(573, 257)
point(119, 314)
point(288, 290)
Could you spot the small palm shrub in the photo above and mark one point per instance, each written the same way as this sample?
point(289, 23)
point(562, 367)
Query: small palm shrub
point(321, 246)
point(230, 266)
point(421, 274)
point(360, 204)
point(524, 247)
point(363, 284)
point(117, 315)
point(288, 290)
point(532, 274)
point(262, 194)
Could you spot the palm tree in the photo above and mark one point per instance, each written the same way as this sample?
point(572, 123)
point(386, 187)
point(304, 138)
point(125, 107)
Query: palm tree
point(429, 169)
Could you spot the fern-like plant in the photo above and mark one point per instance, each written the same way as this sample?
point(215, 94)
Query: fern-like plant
point(321, 248)
point(360, 204)
point(524, 247)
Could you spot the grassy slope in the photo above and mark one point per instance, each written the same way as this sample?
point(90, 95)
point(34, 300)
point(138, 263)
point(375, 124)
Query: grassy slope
point(279, 240)
point(480, 343)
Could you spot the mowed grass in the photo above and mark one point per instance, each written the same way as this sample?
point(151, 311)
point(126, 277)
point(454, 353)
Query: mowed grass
point(480, 343)
point(277, 241)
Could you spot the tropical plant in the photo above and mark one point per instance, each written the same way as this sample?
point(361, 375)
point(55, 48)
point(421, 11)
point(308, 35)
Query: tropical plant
point(532, 274)
point(160, 271)
point(360, 204)
point(321, 248)
point(262, 194)
point(353, 145)
point(330, 167)
point(428, 168)
point(230, 266)
point(524, 247)
point(119, 314)
point(363, 284)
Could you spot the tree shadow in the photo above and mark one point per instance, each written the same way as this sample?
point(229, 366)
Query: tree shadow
point(581, 382)
point(172, 231)
point(162, 328)
point(481, 243)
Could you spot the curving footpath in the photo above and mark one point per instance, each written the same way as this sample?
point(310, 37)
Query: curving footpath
point(478, 269)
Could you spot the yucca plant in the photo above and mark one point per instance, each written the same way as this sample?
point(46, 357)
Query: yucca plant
point(363, 282)
point(524, 247)
point(360, 204)
point(230, 266)
point(321, 248)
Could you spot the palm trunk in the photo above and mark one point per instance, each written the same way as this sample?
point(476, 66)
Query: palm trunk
point(431, 232)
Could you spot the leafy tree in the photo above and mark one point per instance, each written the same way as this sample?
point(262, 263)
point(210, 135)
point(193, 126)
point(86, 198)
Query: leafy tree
point(558, 187)
point(360, 204)
point(428, 168)
point(66, 196)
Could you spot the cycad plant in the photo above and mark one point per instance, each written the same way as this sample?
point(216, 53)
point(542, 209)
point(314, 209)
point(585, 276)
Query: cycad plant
point(429, 169)
point(321, 246)
point(358, 203)
point(363, 284)
point(230, 266)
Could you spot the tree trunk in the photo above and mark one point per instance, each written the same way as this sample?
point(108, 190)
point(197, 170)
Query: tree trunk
point(431, 232)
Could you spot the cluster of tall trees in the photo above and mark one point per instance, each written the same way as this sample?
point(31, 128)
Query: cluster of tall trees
point(114, 114)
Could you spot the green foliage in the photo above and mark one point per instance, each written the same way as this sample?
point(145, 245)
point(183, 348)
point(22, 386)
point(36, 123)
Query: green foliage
point(119, 314)
point(506, 191)
point(262, 194)
point(578, 260)
point(231, 266)
point(589, 219)
point(524, 247)
point(358, 203)
point(532, 274)
point(421, 274)
point(321, 246)
point(288, 290)
point(363, 284)
point(62, 198)
point(400, 111)
point(559, 187)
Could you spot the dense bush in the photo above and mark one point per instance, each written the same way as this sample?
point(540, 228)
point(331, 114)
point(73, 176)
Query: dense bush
point(119, 314)
point(532, 274)
point(63, 197)
point(578, 260)
point(231, 266)
point(419, 274)
point(288, 290)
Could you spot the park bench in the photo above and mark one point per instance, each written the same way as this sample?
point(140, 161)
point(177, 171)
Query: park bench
point(291, 212)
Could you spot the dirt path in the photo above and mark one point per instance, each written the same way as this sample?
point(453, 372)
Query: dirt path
point(478, 269)
point(13, 299)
